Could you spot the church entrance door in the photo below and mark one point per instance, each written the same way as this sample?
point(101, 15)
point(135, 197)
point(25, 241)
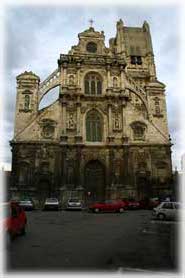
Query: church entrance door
point(44, 189)
point(95, 180)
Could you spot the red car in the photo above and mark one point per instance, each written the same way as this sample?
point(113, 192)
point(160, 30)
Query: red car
point(14, 220)
point(108, 206)
point(131, 204)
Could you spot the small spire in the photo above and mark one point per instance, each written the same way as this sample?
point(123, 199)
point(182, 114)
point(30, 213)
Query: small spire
point(91, 22)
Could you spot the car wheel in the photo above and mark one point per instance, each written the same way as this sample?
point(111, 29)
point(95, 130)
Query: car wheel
point(161, 216)
point(96, 210)
point(121, 210)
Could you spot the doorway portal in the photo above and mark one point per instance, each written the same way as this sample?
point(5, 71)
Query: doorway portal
point(95, 180)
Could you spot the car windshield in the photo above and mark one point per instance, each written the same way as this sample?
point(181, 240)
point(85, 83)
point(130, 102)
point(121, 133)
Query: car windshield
point(25, 202)
point(54, 200)
point(74, 200)
point(167, 206)
point(108, 201)
point(6, 211)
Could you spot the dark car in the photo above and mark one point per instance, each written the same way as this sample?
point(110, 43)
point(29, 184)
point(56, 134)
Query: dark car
point(133, 204)
point(149, 203)
point(51, 204)
point(26, 204)
point(15, 220)
point(154, 202)
point(108, 206)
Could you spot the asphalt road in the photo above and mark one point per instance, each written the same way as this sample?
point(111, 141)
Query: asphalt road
point(82, 241)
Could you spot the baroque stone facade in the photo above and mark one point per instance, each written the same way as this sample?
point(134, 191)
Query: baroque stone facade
point(107, 135)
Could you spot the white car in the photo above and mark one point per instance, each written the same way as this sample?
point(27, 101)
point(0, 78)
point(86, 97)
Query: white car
point(26, 204)
point(167, 210)
point(51, 204)
point(74, 204)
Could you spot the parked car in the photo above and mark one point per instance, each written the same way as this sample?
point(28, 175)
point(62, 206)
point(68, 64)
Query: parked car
point(149, 203)
point(74, 204)
point(166, 210)
point(108, 206)
point(51, 204)
point(14, 221)
point(26, 204)
point(132, 204)
point(153, 202)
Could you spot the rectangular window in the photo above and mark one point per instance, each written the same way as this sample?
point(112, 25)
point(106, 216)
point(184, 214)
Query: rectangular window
point(133, 60)
point(139, 61)
point(136, 60)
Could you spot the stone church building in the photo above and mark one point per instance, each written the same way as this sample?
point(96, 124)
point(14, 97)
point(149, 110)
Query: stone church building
point(106, 136)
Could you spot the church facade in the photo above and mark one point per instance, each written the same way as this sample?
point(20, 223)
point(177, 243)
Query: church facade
point(107, 134)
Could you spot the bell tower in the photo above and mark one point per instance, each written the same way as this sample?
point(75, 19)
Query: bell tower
point(26, 100)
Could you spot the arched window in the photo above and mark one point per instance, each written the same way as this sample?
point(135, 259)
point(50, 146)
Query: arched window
point(93, 84)
point(115, 82)
point(27, 102)
point(94, 126)
point(157, 106)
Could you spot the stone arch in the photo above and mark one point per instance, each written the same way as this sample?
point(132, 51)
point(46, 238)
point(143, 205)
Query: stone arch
point(94, 179)
point(49, 97)
point(142, 99)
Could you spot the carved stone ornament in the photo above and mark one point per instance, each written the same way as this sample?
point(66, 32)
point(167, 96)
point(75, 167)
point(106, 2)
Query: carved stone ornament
point(117, 122)
point(71, 124)
point(44, 152)
point(71, 79)
point(48, 128)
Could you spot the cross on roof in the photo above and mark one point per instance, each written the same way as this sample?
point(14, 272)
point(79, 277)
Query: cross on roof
point(91, 22)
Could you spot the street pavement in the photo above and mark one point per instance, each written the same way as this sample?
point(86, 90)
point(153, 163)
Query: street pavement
point(82, 241)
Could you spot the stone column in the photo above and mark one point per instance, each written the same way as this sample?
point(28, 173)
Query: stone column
point(63, 166)
point(64, 117)
point(108, 77)
point(122, 78)
point(78, 124)
point(65, 74)
point(110, 119)
point(123, 121)
point(78, 166)
point(78, 75)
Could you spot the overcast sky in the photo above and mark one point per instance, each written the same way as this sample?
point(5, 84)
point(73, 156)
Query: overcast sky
point(36, 35)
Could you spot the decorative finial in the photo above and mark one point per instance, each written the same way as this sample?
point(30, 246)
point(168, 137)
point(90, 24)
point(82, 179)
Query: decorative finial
point(91, 22)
